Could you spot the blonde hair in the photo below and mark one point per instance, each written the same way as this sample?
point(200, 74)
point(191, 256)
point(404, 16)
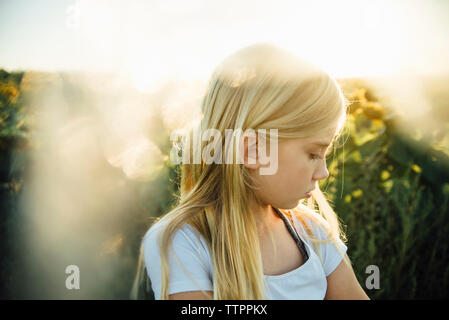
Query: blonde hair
point(260, 87)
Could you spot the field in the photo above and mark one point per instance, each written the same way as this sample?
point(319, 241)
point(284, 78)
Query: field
point(84, 168)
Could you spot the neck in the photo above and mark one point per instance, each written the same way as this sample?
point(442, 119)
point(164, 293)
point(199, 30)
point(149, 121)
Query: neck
point(265, 216)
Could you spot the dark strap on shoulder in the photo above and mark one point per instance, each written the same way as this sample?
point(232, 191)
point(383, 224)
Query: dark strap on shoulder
point(293, 233)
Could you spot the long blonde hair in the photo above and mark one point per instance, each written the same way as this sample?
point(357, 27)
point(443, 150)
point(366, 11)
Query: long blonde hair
point(260, 87)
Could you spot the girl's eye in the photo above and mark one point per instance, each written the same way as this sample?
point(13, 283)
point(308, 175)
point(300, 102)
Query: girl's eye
point(317, 156)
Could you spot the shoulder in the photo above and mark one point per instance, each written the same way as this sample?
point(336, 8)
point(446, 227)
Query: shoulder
point(311, 222)
point(159, 227)
point(187, 259)
point(330, 249)
point(184, 239)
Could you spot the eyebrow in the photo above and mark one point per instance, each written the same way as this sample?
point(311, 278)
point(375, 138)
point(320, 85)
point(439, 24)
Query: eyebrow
point(322, 144)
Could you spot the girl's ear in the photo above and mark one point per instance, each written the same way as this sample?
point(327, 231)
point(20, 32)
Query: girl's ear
point(249, 158)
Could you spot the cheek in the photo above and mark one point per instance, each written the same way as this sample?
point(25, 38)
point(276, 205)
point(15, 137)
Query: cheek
point(295, 165)
point(291, 176)
point(299, 173)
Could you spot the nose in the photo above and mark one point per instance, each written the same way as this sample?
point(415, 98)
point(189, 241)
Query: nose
point(322, 172)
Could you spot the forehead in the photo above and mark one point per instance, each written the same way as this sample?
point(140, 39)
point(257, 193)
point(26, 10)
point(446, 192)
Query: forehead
point(323, 139)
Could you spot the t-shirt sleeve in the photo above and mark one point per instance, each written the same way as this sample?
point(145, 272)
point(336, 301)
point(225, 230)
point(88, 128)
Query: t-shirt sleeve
point(194, 274)
point(330, 255)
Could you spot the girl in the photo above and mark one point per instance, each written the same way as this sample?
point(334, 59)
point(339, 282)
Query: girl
point(237, 233)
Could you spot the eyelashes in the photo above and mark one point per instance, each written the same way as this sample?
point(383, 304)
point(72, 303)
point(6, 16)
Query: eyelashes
point(317, 157)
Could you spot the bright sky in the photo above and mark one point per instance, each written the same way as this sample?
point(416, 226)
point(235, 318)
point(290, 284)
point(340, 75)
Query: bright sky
point(188, 38)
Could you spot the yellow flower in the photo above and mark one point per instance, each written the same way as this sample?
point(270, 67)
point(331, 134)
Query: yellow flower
point(374, 110)
point(9, 91)
point(416, 168)
point(348, 198)
point(357, 193)
point(384, 175)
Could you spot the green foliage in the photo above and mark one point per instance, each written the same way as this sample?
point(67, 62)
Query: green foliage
point(13, 139)
point(391, 192)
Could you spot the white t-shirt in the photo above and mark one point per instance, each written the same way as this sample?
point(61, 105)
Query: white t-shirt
point(306, 282)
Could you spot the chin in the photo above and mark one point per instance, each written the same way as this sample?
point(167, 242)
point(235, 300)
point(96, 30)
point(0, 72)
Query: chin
point(293, 204)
